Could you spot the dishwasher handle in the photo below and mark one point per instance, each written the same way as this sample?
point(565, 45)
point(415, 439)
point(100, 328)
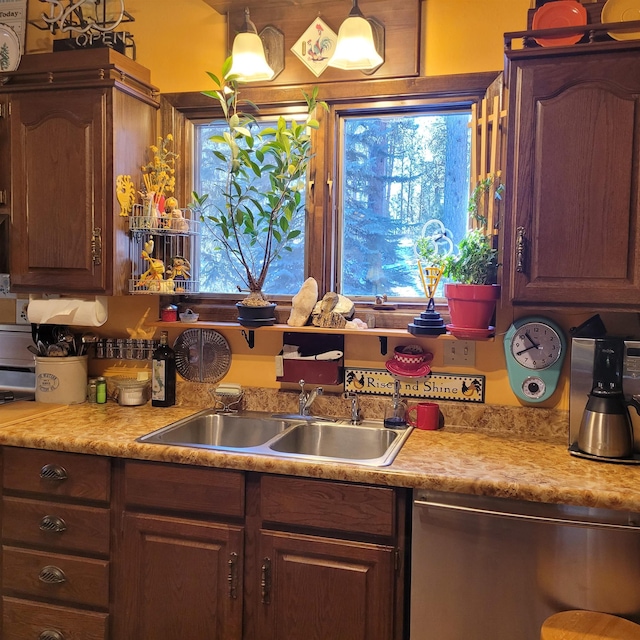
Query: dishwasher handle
point(521, 516)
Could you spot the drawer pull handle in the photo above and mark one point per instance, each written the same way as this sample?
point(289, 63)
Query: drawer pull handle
point(53, 472)
point(53, 523)
point(265, 582)
point(233, 575)
point(52, 575)
point(51, 634)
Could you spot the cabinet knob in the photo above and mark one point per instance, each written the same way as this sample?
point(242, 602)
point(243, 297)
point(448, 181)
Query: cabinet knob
point(52, 575)
point(51, 634)
point(53, 523)
point(53, 472)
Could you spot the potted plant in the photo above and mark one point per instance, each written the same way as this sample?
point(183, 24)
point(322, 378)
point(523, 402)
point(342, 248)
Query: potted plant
point(266, 171)
point(473, 294)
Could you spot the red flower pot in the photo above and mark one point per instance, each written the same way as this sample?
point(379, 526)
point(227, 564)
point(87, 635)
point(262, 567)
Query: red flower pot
point(471, 305)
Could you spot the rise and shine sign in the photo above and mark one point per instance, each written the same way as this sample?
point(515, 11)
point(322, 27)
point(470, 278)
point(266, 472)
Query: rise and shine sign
point(436, 386)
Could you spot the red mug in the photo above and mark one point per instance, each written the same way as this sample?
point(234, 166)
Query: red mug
point(424, 415)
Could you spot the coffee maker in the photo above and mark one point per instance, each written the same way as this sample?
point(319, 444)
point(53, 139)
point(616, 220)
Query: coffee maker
point(605, 384)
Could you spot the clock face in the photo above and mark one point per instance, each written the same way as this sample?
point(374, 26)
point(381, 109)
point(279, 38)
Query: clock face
point(536, 345)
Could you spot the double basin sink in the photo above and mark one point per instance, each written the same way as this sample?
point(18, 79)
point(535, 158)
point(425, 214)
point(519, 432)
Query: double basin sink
point(368, 443)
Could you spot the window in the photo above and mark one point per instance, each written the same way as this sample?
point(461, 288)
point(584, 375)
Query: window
point(397, 172)
point(384, 166)
point(218, 273)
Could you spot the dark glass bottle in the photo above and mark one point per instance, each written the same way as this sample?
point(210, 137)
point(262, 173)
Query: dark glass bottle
point(163, 372)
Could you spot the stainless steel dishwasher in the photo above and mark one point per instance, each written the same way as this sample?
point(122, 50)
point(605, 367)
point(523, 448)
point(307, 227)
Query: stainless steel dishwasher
point(495, 569)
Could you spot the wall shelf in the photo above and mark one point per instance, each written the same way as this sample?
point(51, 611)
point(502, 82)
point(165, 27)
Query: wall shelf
point(249, 334)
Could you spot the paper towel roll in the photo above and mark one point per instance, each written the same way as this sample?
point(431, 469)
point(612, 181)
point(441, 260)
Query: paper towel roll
point(70, 311)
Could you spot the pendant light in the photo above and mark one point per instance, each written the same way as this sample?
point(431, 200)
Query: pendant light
point(249, 60)
point(355, 48)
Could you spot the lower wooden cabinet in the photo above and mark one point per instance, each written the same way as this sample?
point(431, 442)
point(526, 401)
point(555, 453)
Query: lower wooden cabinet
point(181, 579)
point(25, 620)
point(56, 529)
point(181, 552)
point(315, 587)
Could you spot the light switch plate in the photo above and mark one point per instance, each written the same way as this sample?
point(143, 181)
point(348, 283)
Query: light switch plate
point(21, 311)
point(460, 352)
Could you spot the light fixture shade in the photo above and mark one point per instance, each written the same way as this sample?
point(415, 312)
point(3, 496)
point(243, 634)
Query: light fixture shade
point(355, 48)
point(249, 61)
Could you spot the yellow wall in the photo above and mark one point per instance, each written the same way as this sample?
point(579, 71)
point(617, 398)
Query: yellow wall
point(179, 42)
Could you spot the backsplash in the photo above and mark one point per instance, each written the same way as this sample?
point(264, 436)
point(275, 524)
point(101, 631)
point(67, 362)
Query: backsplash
point(524, 423)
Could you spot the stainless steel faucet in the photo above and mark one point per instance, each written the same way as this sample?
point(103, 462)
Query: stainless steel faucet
point(355, 407)
point(305, 400)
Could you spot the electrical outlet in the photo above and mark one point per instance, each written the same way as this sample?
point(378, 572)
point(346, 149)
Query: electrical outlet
point(5, 286)
point(460, 352)
point(21, 311)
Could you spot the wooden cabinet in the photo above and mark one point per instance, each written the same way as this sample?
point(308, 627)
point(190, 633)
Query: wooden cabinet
point(181, 556)
point(227, 555)
point(77, 120)
point(572, 224)
point(175, 551)
point(328, 561)
point(56, 528)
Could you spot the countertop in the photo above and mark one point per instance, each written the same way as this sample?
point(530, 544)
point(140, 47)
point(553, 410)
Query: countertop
point(458, 459)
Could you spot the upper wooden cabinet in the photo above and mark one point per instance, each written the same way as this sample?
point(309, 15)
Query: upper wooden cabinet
point(571, 233)
point(77, 120)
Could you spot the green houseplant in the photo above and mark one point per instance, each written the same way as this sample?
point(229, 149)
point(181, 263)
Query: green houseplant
point(265, 179)
point(473, 294)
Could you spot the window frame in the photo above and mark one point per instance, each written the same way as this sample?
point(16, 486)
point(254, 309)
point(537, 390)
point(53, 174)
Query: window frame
point(180, 112)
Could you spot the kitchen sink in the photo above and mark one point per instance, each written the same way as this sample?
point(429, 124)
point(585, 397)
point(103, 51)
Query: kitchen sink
point(331, 440)
point(290, 436)
point(210, 429)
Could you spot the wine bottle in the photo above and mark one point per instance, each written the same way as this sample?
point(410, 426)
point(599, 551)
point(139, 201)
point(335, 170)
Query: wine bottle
point(163, 374)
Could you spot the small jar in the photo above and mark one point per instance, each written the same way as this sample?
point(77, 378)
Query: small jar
point(101, 390)
point(169, 313)
point(92, 388)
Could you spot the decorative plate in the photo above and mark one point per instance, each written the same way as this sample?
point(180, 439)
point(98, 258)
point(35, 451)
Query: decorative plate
point(621, 11)
point(562, 13)
point(9, 49)
point(202, 355)
point(393, 368)
point(469, 333)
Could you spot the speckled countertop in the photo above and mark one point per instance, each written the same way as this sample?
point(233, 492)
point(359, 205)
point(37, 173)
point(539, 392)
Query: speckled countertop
point(499, 451)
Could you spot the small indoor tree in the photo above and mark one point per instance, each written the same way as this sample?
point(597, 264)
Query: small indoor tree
point(265, 179)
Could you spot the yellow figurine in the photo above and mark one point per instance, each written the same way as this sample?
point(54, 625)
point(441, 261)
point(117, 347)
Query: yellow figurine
point(126, 194)
point(151, 277)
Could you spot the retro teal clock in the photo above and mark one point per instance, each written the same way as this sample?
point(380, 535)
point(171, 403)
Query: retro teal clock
point(534, 348)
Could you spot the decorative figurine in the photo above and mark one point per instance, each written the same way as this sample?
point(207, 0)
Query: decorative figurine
point(126, 194)
point(154, 273)
point(179, 271)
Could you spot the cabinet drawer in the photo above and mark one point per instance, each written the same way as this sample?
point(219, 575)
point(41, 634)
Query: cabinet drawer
point(55, 576)
point(56, 526)
point(182, 488)
point(328, 505)
point(22, 619)
point(56, 473)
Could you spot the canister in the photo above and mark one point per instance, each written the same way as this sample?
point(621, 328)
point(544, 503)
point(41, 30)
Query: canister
point(169, 313)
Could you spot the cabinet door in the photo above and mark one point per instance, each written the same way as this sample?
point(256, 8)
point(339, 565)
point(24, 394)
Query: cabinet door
point(572, 234)
point(320, 588)
point(179, 579)
point(59, 163)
